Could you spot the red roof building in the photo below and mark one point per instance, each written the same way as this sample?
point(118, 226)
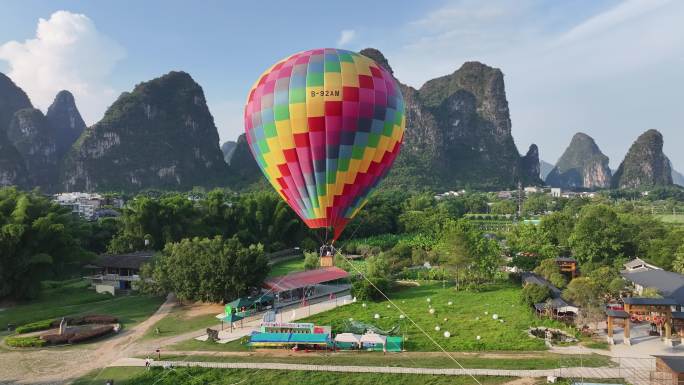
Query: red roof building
point(304, 279)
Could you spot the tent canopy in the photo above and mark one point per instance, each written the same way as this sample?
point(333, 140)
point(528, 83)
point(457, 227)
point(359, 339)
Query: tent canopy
point(229, 317)
point(266, 298)
point(241, 302)
point(372, 338)
point(348, 337)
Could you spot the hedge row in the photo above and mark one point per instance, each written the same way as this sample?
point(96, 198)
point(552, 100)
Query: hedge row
point(35, 326)
point(24, 342)
point(53, 323)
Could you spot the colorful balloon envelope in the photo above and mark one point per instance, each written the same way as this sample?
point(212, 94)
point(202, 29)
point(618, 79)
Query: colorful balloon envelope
point(325, 126)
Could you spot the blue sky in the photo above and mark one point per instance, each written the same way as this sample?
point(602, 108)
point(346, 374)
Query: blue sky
point(609, 68)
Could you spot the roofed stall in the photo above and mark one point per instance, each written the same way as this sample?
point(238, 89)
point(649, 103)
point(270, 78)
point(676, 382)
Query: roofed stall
point(307, 284)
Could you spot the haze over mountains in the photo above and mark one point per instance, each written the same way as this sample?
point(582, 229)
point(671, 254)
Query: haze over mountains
point(162, 135)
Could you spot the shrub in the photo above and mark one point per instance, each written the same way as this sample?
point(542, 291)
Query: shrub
point(558, 280)
point(24, 342)
point(532, 294)
point(363, 290)
point(35, 326)
point(311, 261)
point(92, 333)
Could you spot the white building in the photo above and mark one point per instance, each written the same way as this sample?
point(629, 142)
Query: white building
point(533, 189)
point(556, 192)
point(83, 204)
point(449, 194)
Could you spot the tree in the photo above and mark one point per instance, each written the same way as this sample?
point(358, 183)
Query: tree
point(558, 280)
point(38, 240)
point(557, 227)
point(597, 236)
point(208, 269)
point(582, 291)
point(529, 238)
point(678, 263)
point(547, 268)
point(311, 261)
point(533, 293)
point(503, 207)
point(463, 247)
point(536, 204)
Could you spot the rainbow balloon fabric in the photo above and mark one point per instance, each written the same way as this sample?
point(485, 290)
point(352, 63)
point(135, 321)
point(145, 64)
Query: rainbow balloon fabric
point(325, 126)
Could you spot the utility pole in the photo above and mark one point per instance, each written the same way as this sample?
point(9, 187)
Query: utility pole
point(521, 197)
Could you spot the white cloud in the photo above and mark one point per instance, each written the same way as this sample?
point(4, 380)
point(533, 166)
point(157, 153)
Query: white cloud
point(68, 52)
point(613, 71)
point(346, 37)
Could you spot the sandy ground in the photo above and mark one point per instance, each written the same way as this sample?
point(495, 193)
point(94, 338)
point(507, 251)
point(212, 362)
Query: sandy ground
point(201, 308)
point(60, 365)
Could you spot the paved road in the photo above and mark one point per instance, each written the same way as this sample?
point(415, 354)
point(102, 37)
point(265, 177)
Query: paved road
point(570, 372)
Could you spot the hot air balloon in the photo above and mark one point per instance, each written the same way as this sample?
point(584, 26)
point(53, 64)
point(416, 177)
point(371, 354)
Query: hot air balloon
point(325, 125)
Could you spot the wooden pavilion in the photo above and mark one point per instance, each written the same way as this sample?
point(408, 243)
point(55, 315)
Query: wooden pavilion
point(656, 311)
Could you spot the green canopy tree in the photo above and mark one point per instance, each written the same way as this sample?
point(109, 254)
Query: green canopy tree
point(208, 269)
point(38, 240)
point(597, 236)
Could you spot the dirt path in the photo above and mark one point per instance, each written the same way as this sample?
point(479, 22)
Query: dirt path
point(524, 381)
point(61, 365)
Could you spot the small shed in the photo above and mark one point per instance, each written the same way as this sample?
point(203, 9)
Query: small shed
point(670, 370)
point(374, 339)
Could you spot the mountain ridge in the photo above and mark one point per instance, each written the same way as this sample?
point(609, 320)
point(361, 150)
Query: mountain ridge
point(582, 165)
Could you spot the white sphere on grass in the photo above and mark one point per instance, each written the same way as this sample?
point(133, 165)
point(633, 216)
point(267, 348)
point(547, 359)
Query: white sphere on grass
point(437, 328)
point(432, 311)
point(478, 338)
point(447, 334)
point(376, 316)
point(450, 303)
point(402, 316)
point(495, 316)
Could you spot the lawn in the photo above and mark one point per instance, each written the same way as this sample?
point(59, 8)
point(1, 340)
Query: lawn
point(502, 361)
point(73, 298)
point(159, 376)
point(672, 218)
point(177, 322)
point(469, 316)
point(286, 267)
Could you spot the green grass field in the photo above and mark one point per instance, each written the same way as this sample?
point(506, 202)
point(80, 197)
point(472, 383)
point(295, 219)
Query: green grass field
point(287, 267)
point(670, 218)
point(469, 316)
point(157, 376)
point(177, 322)
point(531, 361)
point(74, 298)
